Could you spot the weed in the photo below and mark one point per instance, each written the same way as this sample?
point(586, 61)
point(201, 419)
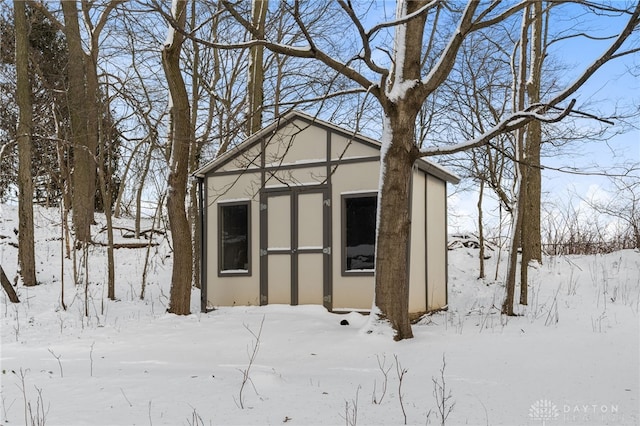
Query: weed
point(253, 352)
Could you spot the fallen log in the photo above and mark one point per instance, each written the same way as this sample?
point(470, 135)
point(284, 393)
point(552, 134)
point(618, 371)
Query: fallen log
point(126, 245)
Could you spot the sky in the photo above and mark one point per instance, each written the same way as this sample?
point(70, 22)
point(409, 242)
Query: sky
point(613, 86)
point(612, 89)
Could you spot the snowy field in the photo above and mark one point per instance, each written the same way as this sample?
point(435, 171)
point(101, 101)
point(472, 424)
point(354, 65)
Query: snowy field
point(571, 358)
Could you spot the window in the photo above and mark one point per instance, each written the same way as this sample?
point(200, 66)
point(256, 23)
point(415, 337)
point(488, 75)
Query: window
point(359, 232)
point(234, 238)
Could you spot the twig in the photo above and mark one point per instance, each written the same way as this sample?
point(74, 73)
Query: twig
point(38, 418)
point(22, 375)
point(252, 356)
point(57, 357)
point(351, 410)
point(441, 394)
point(400, 372)
point(385, 374)
point(125, 397)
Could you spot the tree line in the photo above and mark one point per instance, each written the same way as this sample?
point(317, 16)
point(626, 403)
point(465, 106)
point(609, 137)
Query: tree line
point(117, 101)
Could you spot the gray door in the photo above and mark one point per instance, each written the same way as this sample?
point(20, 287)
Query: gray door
point(293, 242)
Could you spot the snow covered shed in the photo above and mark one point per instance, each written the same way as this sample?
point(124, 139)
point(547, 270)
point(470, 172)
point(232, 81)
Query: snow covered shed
point(289, 218)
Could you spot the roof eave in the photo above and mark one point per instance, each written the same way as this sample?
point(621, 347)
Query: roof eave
point(438, 171)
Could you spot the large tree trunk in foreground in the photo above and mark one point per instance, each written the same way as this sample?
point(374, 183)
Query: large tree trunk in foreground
point(394, 227)
point(180, 138)
point(26, 250)
point(398, 155)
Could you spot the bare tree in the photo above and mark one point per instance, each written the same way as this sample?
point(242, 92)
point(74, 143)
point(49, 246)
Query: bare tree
point(623, 203)
point(477, 95)
point(83, 102)
point(532, 51)
point(519, 99)
point(140, 89)
point(531, 191)
point(181, 138)
point(84, 143)
point(26, 250)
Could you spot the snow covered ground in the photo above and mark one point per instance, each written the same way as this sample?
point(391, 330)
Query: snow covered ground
point(571, 358)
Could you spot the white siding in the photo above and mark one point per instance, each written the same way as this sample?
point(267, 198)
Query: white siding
point(232, 290)
point(295, 177)
point(296, 142)
point(417, 275)
point(249, 159)
point(436, 243)
point(342, 147)
point(350, 292)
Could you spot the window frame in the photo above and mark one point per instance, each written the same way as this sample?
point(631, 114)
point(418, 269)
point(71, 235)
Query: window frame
point(343, 225)
point(233, 272)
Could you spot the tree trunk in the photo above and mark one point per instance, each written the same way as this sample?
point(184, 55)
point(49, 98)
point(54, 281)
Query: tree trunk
point(507, 304)
point(523, 230)
point(255, 94)
point(8, 288)
point(399, 153)
point(534, 137)
point(180, 139)
point(62, 232)
point(481, 230)
point(92, 105)
point(518, 211)
point(26, 249)
point(531, 235)
point(105, 177)
point(194, 225)
point(83, 191)
point(194, 159)
point(394, 226)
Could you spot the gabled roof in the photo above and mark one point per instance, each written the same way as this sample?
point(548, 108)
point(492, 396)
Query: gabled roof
point(422, 164)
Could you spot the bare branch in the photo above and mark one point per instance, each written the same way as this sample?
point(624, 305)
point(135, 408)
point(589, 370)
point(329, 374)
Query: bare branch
point(512, 122)
point(446, 62)
point(480, 24)
point(104, 15)
point(365, 37)
point(308, 52)
point(608, 55)
point(403, 19)
point(39, 5)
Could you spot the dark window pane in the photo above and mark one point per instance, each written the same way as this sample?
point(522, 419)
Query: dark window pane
point(360, 215)
point(235, 237)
